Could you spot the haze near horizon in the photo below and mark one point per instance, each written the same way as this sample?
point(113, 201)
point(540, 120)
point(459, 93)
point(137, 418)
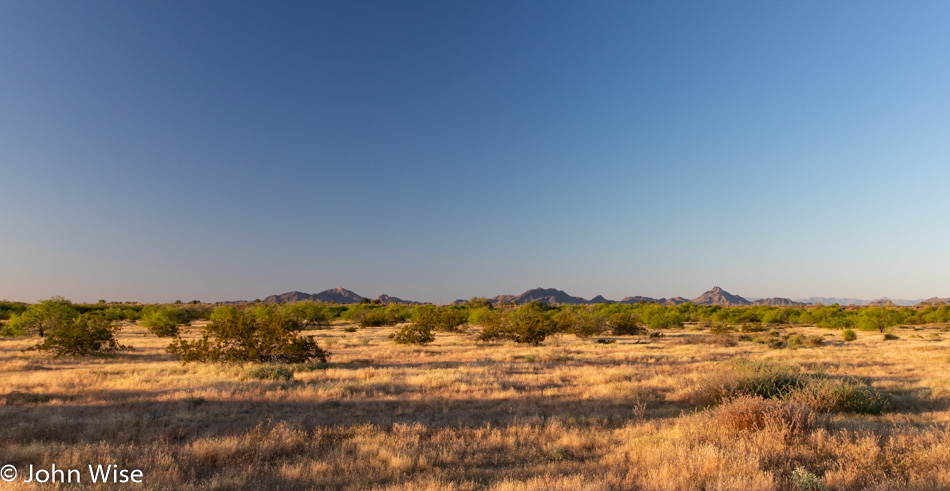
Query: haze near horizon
point(225, 151)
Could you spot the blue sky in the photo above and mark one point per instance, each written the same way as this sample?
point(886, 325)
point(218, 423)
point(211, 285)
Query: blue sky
point(157, 151)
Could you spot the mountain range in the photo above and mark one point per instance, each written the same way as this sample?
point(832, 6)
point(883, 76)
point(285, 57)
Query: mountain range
point(553, 296)
point(336, 295)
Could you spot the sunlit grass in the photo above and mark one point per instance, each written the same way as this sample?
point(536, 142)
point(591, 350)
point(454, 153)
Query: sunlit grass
point(569, 414)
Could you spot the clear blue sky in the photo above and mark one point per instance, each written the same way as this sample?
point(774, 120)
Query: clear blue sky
point(168, 150)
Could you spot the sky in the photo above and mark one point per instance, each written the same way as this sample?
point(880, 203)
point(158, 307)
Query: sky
point(170, 150)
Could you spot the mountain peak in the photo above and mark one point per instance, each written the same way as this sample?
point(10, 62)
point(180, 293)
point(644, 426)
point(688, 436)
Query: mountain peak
point(718, 296)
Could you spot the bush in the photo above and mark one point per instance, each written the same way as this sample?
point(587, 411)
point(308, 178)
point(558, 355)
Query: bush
point(807, 481)
point(38, 319)
point(163, 320)
point(307, 313)
point(625, 324)
point(849, 335)
point(659, 317)
point(795, 341)
point(788, 383)
point(261, 334)
point(839, 395)
point(377, 318)
point(413, 334)
point(444, 319)
point(582, 323)
point(89, 334)
point(526, 324)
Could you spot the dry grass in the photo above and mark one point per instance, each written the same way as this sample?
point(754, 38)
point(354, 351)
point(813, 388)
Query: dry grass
point(456, 414)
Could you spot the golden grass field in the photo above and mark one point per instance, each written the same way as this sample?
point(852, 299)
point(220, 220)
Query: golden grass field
point(456, 414)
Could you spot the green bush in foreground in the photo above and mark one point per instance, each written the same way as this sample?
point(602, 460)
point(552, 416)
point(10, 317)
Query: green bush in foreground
point(526, 324)
point(163, 320)
point(260, 334)
point(849, 335)
point(413, 334)
point(85, 335)
point(41, 318)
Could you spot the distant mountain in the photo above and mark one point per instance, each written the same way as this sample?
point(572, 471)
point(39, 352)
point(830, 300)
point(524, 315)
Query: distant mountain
point(289, 297)
point(718, 296)
point(553, 296)
point(338, 295)
point(637, 299)
point(672, 301)
point(858, 301)
point(544, 295)
point(777, 302)
point(388, 299)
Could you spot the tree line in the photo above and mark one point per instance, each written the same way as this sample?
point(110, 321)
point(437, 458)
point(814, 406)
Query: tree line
point(273, 332)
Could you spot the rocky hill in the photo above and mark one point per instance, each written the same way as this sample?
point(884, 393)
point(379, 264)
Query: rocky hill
point(718, 296)
point(388, 299)
point(778, 302)
point(550, 296)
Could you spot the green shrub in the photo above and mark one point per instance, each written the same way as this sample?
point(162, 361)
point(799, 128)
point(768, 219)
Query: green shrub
point(413, 334)
point(38, 319)
point(789, 383)
point(806, 481)
point(848, 395)
point(260, 334)
point(625, 324)
point(752, 327)
point(849, 335)
point(721, 328)
point(526, 324)
point(308, 313)
point(163, 320)
point(580, 322)
point(377, 318)
point(444, 319)
point(795, 341)
point(88, 334)
point(656, 316)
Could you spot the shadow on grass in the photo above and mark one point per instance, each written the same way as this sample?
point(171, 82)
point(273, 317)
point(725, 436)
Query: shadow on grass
point(122, 416)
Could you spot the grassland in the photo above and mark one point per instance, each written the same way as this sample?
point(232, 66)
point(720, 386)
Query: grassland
point(638, 413)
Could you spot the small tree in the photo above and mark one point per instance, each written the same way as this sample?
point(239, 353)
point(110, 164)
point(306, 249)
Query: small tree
point(877, 319)
point(43, 317)
point(262, 334)
point(582, 323)
point(308, 313)
point(88, 334)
